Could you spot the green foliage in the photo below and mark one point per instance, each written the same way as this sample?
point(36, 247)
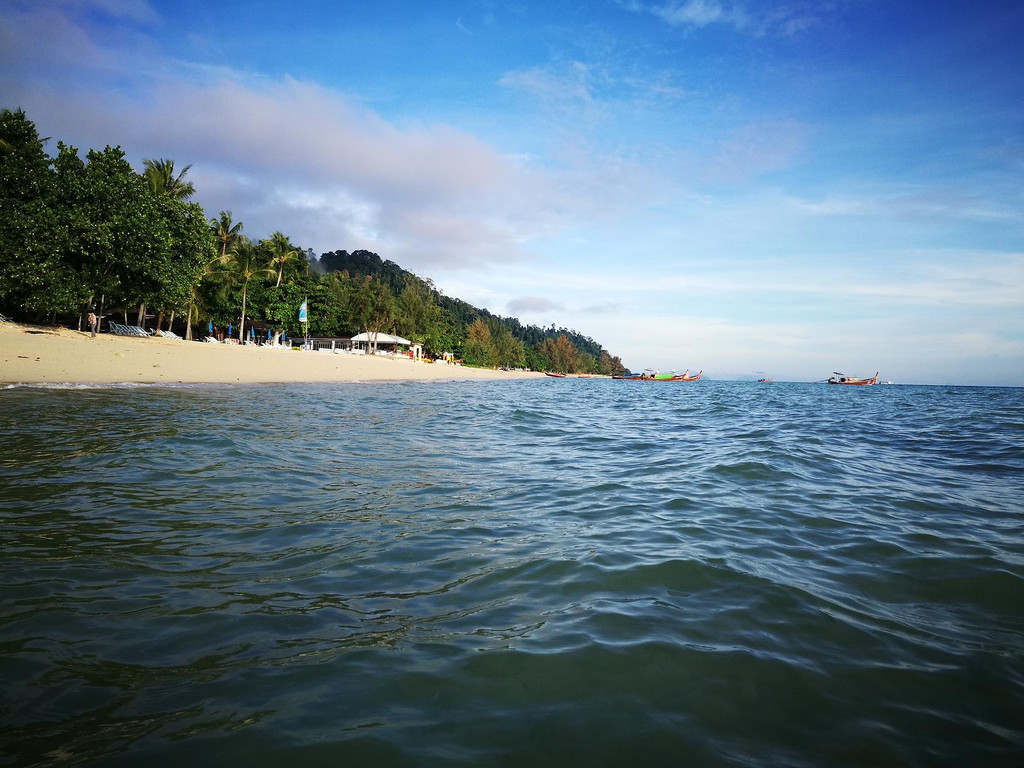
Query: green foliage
point(159, 174)
point(478, 349)
point(75, 231)
point(457, 316)
point(281, 252)
point(33, 276)
point(244, 264)
point(225, 231)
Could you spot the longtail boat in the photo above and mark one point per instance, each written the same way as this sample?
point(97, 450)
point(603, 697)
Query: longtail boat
point(765, 381)
point(554, 374)
point(841, 378)
point(650, 375)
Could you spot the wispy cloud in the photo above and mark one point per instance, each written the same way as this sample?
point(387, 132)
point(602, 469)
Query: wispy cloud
point(756, 19)
point(573, 82)
point(753, 149)
point(532, 305)
point(917, 202)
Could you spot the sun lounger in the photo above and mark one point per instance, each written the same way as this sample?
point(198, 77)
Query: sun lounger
point(169, 335)
point(127, 330)
point(211, 340)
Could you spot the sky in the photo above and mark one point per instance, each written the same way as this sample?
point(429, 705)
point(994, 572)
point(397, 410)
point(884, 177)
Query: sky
point(747, 188)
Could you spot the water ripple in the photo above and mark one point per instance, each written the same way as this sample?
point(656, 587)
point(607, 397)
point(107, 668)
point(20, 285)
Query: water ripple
point(553, 572)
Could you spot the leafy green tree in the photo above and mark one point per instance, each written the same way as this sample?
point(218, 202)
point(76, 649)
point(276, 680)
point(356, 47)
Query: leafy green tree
point(478, 349)
point(119, 241)
point(245, 263)
point(373, 307)
point(281, 252)
point(509, 351)
point(226, 232)
point(417, 316)
point(159, 174)
point(33, 275)
point(192, 253)
point(560, 353)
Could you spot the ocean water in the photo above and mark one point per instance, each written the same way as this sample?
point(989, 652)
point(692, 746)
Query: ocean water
point(526, 573)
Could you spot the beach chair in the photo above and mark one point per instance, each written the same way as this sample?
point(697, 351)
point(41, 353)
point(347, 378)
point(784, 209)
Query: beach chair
point(169, 335)
point(211, 340)
point(117, 329)
point(134, 330)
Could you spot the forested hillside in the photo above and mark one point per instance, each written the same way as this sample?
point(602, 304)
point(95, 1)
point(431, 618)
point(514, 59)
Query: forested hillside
point(541, 348)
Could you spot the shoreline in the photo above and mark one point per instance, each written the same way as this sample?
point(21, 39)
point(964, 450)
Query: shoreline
point(51, 355)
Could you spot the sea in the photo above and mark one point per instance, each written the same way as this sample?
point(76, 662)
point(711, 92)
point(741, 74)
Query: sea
point(552, 572)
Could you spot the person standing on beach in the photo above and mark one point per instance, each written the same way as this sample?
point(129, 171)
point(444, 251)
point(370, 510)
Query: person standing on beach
point(93, 322)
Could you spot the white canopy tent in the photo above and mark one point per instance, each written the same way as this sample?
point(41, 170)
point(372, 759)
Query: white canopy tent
point(381, 338)
point(364, 340)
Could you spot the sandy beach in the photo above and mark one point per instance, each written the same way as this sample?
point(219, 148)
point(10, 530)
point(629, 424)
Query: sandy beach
point(52, 355)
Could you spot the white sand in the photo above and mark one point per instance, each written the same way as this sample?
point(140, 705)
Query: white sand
point(37, 355)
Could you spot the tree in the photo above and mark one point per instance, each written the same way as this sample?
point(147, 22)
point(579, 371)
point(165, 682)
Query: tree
point(159, 174)
point(33, 274)
point(242, 266)
point(478, 347)
point(373, 307)
point(560, 354)
point(509, 351)
point(226, 232)
point(192, 254)
point(118, 241)
point(417, 316)
point(281, 251)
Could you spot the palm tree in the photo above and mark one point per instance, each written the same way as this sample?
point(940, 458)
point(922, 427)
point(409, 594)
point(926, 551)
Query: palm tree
point(162, 181)
point(225, 231)
point(281, 251)
point(242, 266)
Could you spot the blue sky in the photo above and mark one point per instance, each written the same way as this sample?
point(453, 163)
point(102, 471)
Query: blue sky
point(748, 188)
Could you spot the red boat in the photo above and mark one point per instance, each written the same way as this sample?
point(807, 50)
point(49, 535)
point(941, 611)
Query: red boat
point(840, 378)
point(554, 375)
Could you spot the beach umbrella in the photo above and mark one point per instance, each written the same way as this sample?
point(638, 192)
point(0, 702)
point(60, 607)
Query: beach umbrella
point(252, 333)
point(209, 327)
point(268, 334)
point(229, 329)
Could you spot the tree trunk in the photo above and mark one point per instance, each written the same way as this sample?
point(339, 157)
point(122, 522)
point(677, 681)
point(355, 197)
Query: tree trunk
point(142, 316)
point(241, 325)
point(88, 305)
point(159, 322)
point(99, 315)
point(188, 320)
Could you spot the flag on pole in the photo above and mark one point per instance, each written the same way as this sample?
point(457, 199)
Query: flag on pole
point(302, 312)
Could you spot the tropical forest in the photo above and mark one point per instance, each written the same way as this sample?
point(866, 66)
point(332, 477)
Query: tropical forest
point(91, 233)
